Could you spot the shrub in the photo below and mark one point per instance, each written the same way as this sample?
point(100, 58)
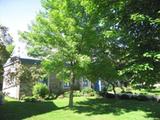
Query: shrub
point(109, 95)
point(66, 94)
point(156, 98)
point(88, 91)
point(142, 97)
point(1, 98)
point(125, 96)
point(40, 90)
point(101, 93)
point(29, 99)
point(84, 92)
point(127, 92)
point(77, 94)
point(92, 93)
point(50, 97)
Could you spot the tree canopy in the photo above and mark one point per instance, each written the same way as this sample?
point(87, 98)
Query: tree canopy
point(100, 39)
point(5, 47)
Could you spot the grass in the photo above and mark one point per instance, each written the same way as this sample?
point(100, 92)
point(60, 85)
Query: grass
point(85, 109)
point(155, 91)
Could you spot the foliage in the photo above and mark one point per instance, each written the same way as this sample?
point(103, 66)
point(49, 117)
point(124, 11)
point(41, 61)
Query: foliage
point(88, 92)
point(5, 40)
point(61, 33)
point(40, 90)
point(4, 55)
point(77, 94)
point(106, 40)
point(141, 34)
point(50, 96)
point(10, 48)
point(25, 74)
point(5, 37)
point(1, 98)
point(29, 99)
point(129, 34)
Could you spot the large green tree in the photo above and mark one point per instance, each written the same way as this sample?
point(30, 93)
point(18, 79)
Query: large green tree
point(5, 48)
point(60, 30)
point(133, 27)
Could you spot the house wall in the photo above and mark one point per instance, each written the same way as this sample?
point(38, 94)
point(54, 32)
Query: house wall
point(25, 89)
point(85, 83)
point(55, 86)
point(26, 86)
point(10, 87)
point(59, 86)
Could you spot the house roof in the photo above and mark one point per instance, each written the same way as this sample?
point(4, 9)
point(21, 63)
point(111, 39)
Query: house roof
point(20, 53)
point(28, 61)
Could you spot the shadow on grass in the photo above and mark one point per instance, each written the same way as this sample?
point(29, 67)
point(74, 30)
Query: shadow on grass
point(117, 107)
point(154, 91)
point(15, 110)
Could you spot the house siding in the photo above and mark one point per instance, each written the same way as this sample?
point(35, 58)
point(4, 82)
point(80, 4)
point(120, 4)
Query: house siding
point(10, 88)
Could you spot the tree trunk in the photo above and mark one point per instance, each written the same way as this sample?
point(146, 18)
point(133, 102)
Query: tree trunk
point(113, 88)
point(71, 98)
point(121, 86)
point(71, 90)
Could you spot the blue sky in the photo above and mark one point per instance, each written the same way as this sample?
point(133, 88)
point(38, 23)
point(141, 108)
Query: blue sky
point(18, 14)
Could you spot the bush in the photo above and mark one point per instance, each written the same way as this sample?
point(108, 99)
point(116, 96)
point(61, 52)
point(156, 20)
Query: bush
point(77, 94)
point(88, 91)
point(84, 92)
point(156, 98)
point(29, 99)
point(127, 92)
point(1, 98)
point(109, 95)
point(151, 98)
point(50, 97)
point(125, 96)
point(142, 97)
point(101, 93)
point(40, 90)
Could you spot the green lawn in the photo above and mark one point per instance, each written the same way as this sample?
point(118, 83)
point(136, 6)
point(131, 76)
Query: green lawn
point(155, 91)
point(85, 109)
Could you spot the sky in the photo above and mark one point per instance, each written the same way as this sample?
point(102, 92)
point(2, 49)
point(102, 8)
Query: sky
point(18, 14)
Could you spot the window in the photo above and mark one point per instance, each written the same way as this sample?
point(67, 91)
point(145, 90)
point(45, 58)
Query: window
point(85, 83)
point(66, 85)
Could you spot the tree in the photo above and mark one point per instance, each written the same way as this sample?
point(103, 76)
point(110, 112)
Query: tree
point(5, 40)
point(131, 29)
point(62, 29)
point(141, 26)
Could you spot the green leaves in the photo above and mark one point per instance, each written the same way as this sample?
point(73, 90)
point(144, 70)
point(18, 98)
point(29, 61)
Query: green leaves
point(107, 39)
point(154, 55)
point(138, 17)
point(109, 33)
point(60, 26)
point(83, 61)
